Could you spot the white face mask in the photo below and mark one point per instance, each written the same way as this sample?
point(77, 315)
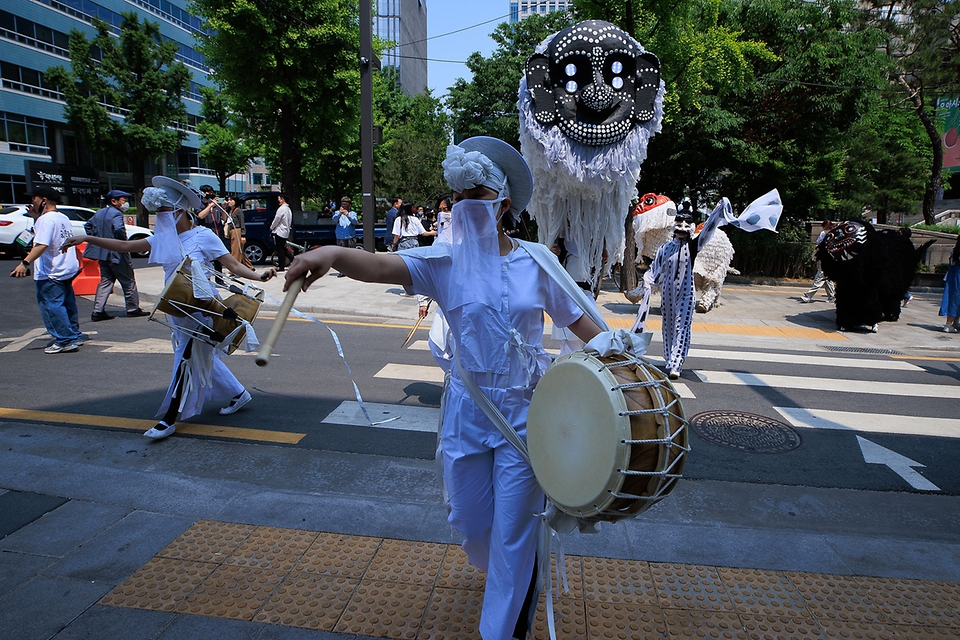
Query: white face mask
point(124, 206)
point(476, 252)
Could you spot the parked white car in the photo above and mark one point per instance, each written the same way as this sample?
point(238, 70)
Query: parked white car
point(14, 219)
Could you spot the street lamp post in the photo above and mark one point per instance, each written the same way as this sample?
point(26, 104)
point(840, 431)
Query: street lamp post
point(367, 64)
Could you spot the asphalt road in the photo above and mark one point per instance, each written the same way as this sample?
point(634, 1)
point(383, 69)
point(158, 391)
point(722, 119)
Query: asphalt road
point(124, 369)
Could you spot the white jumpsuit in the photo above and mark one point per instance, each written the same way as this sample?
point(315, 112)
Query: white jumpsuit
point(210, 379)
point(493, 493)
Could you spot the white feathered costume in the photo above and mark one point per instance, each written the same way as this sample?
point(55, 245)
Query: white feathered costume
point(585, 175)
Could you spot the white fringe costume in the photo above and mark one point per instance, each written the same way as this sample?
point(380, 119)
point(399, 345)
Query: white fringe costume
point(582, 192)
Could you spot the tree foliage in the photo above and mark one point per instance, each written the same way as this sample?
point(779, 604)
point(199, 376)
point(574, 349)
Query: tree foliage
point(416, 132)
point(138, 77)
point(923, 43)
point(291, 72)
point(487, 104)
point(220, 144)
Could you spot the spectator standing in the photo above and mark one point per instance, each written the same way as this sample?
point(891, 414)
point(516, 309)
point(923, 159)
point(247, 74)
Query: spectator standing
point(444, 224)
point(820, 280)
point(391, 217)
point(280, 228)
point(950, 305)
point(53, 271)
point(407, 229)
point(347, 222)
point(237, 231)
point(114, 266)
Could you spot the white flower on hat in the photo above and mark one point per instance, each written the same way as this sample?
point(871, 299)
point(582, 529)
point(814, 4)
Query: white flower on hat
point(469, 169)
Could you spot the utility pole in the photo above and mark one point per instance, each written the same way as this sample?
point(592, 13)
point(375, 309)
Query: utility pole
point(367, 64)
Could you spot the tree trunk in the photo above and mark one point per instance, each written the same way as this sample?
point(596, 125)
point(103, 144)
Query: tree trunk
point(628, 268)
point(290, 158)
point(936, 167)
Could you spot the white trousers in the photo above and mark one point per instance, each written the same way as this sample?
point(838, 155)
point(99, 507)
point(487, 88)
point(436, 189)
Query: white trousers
point(210, 377)
point(494, 499)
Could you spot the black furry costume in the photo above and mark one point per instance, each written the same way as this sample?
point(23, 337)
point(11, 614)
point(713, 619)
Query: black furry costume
point(872, 269)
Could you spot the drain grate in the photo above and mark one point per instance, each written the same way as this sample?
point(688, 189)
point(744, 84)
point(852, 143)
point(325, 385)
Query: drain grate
point(882, 352)
point(745, 431)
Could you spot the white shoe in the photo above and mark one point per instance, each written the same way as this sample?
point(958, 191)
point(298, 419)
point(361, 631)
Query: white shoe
point(874, 328)
point(949, 328)
point(674, 375)
point(804, 298)
point(161, 431)
point(236, 403)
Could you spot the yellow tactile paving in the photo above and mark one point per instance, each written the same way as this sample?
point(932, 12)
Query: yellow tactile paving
point(389, 588)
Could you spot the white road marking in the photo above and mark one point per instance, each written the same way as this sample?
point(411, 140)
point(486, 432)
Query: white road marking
point(683, 390)
point(409, 418)
point(901, 465)
point(419, 345)
point(870, 422)
point(147, 345)
point(788, 358)
point(904, 389)
point(413, 372)
point(19, 343)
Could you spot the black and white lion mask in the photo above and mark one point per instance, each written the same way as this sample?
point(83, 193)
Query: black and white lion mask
point(589, 102)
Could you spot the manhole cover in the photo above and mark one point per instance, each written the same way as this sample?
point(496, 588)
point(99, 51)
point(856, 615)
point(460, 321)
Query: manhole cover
point(745, 431)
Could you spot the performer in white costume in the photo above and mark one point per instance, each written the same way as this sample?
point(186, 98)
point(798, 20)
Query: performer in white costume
point(590, 100)
point(672, 269)
point(493, 293)
point(198, 372)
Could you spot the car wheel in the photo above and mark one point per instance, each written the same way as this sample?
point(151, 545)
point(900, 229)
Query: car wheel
point(139, 254)
point(256, 253)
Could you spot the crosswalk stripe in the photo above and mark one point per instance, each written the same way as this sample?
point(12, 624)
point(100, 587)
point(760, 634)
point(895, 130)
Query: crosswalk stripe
point(905, 389)
point(417, 372)
point(870, 422)
point(797, 358)
point(408, 418)
point(419, 345)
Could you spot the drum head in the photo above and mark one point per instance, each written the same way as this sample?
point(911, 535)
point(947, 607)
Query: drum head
point(575, 434)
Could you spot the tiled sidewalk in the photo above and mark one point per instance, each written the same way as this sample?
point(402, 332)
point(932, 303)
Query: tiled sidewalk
point(401, 589)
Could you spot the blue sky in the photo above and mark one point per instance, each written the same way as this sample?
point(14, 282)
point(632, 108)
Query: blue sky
point(445, 16)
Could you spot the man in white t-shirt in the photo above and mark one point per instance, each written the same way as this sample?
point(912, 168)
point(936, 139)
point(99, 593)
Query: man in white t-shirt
point(53, 271)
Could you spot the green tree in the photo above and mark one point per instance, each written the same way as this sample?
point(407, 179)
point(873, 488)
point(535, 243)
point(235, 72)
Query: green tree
point(123, 93)
point(220, 144)
point(291, 72)
point(887, 163)
point(416, 132)
point(799, 112)
point(487, 104)
point(923, 42)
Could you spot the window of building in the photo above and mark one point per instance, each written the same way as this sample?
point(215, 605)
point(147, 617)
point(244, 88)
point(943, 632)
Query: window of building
point(25, 134)
point(26, 32)
point(12, 188)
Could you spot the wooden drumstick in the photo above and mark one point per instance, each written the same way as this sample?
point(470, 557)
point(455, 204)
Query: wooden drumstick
point(266, 347)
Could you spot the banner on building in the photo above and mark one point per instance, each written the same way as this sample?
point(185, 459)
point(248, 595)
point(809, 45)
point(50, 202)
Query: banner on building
point(949, 109)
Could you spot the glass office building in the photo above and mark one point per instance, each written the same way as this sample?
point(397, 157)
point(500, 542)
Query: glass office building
point(36, 144)
point(520, 9)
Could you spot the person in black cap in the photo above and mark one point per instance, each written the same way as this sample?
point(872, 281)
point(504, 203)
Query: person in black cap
point(114, 266)
point(53, 271)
